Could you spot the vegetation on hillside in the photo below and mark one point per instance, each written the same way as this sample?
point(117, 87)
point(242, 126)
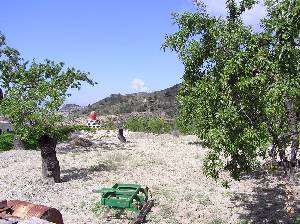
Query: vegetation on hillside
point(163, 101)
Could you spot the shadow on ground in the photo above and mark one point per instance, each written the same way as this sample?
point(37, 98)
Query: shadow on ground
point(199, 143)
point(103, 146)
point(267, 203)
point(85, 173)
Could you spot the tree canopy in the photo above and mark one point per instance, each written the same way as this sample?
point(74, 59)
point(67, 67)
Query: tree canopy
point(241, 88)
point(34, 91)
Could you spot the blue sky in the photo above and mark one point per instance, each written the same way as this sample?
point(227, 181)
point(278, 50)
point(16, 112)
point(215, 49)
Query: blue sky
point(118, 42)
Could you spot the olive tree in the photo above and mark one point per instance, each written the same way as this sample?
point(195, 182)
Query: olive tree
point(33, 94)
point(241, 89)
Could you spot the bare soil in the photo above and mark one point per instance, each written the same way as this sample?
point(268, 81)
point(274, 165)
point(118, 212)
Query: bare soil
point(170, 166)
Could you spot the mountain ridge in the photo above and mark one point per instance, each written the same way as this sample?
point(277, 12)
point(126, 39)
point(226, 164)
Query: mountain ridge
point(158, 102)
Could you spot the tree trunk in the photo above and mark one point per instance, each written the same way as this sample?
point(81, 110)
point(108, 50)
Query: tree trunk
point(293, 123)
point(50, 164)
point(121, 136)
point(1, 94)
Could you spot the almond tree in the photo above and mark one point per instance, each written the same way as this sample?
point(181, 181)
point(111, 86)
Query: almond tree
point(241, 89)
point(33, 93)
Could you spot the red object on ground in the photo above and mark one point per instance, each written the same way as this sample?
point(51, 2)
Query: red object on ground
point(93, 115)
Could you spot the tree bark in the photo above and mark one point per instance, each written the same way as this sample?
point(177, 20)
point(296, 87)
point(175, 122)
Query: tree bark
point(121, 136)
point(1, 94)
point(50, 163)
point(293, 123)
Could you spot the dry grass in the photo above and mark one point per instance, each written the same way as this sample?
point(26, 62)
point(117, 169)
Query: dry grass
point(170, 166)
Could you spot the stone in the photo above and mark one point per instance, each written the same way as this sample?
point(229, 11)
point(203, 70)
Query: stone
point(81, 142)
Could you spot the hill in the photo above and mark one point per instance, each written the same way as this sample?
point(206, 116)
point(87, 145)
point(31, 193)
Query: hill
point(161, 102)
point(70, 109)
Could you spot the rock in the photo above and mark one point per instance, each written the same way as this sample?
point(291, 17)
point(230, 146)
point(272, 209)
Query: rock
point(74, 135)
point(175, 133)
point(81, 142)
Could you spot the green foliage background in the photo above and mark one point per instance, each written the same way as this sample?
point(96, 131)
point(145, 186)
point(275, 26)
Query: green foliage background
point(6, 141)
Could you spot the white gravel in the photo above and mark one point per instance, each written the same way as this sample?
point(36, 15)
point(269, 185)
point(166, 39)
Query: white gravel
point(170, 166)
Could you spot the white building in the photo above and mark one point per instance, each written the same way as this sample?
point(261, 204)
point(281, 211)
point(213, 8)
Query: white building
point(5, 125)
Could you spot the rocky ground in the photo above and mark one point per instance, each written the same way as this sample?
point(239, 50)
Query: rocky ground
point(170, 166)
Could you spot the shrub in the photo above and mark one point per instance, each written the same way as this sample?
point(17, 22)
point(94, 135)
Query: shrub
point(6, 141)
point(31, 143)
point(136, 124)
point(148, 124)
point(158, 125)
point(109, 125)
point(62, 133)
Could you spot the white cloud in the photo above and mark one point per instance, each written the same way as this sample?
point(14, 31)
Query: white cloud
point(216, 7)
point(139, 85)
point(251, 17)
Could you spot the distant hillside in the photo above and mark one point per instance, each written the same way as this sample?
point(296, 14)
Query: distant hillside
point(163, 102)
point(70, 108)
